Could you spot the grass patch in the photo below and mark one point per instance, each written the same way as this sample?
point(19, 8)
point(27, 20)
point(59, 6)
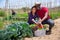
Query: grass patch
point(2, 13)
point(22, 15)
point(1, 24)
point(55, 16)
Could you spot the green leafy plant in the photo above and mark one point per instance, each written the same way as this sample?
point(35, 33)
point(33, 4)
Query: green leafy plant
point(18, 30)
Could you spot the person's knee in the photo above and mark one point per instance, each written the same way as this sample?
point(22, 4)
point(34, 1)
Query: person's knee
point(52, 24)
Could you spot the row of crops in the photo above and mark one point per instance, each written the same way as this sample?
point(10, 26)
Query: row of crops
point(54, 15)
point(16, 31)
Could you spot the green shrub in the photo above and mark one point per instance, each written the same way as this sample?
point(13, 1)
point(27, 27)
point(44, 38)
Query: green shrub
point(2, 13)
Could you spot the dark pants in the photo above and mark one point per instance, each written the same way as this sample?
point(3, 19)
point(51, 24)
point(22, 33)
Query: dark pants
point(50, 22)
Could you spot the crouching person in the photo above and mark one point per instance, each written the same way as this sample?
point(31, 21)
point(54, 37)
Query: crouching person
point(43, 13)
point(32, 17)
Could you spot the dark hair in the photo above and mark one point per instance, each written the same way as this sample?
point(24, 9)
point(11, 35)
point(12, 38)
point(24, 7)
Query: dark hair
point(32, 8)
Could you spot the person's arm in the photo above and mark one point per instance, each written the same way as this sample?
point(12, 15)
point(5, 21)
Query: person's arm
point(39, 21)
point(46, 15)
point(33, 20)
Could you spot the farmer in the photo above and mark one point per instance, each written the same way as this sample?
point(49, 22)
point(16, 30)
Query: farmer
point(43, 14)
point(13, 13)
point(32, 16)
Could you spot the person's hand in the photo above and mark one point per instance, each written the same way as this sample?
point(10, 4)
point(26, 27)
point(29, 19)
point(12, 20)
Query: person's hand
point(36, 23)
point(39, 22)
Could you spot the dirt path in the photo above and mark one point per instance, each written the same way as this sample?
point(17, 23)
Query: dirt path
point(55, 33)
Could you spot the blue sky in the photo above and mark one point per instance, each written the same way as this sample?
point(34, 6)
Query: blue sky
point(28, 3)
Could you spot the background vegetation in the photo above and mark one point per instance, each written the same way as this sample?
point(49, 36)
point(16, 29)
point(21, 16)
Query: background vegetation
point(23, 16)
